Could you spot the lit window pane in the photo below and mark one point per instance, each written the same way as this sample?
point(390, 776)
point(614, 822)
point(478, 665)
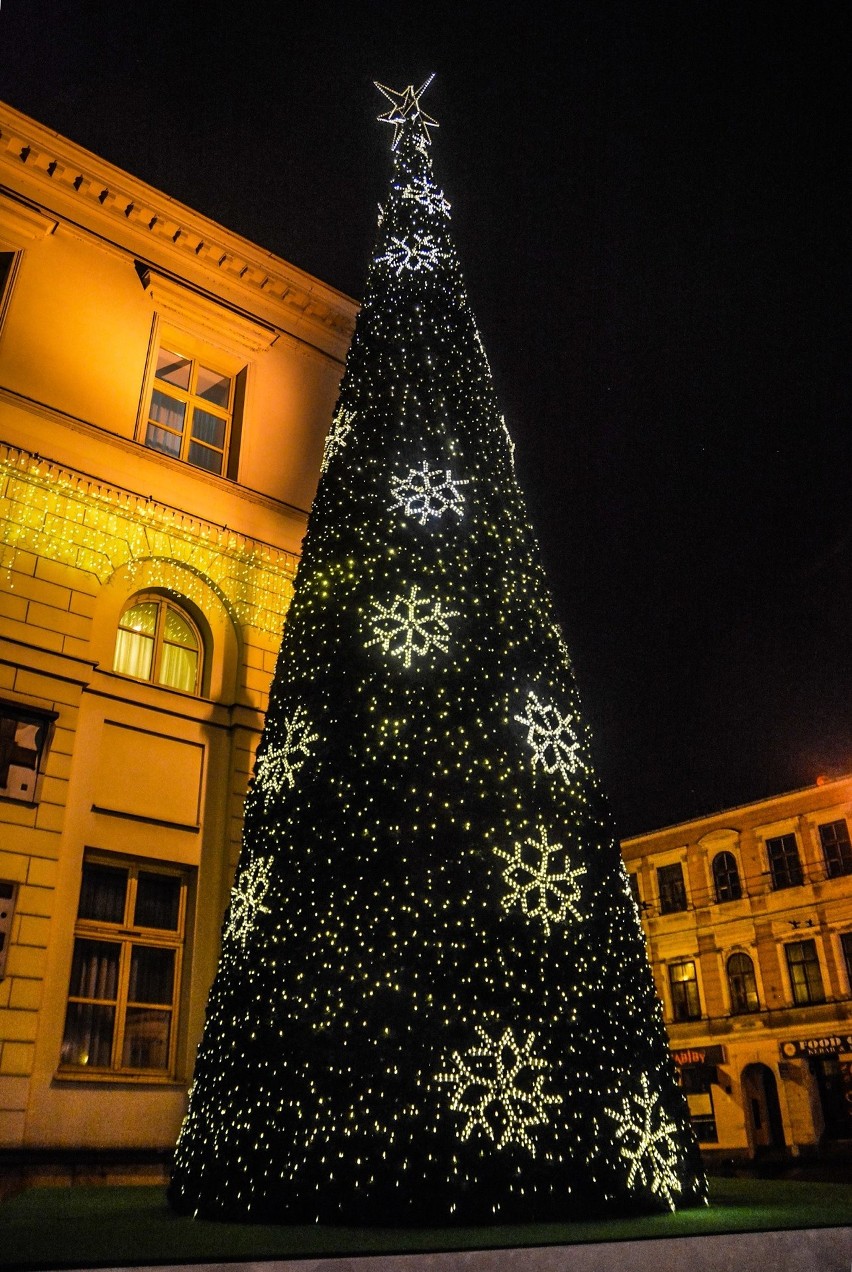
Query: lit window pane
point(141, 617)
point(204, 457)
point(146, 1039)
point(167, 411)
point(213, 387)
point(152, 975)
point(133, 654)
point(88, 1035)
point(178, 631)
point(94, 970)
point(208, 428)
point(157, 901)
point(173, 368)
point(102, 893)
point(178, 668)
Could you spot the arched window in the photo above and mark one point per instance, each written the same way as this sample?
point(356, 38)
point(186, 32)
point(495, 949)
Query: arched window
point(742, 985)
point(159, 642)
point(726, 877)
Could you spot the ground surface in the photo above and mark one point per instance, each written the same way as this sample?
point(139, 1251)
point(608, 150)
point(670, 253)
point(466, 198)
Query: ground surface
point(45, 1228)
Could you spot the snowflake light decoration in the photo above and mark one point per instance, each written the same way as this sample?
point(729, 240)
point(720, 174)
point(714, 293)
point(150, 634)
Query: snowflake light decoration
point(423, 253)
point(646, 1132)
point(338, 436)
point(411, 626)
point(554, 743)
point(278, 765)
point(542, 882)
point(426, 492)
point(499, 1087)
point(422, 191)
point(247, 897)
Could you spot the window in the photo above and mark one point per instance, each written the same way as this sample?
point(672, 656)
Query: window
point(836, 848)
point(191, 410)
point(742, 984)
point(633, 883)
point(23, 742)
point(686, 1004)
point(805, 975)
point(671, 886)
point(125, 971)
point(697, 1083)
point(726, 877)
point(8, 897)
point(157, 641)
point(7, 265)
point(784, 864)
point(846, 946)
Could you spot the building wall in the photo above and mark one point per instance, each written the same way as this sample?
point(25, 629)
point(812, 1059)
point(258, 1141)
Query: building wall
point(97, 273)
point(767, 1065)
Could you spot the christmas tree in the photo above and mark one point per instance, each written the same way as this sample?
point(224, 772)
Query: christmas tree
point(433, 1003)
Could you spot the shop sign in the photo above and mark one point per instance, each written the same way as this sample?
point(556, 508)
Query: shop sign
point(699, 1055)
point(827, 1046)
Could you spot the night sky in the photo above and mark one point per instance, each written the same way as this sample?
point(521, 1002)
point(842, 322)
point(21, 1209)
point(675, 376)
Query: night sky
point(650, 202)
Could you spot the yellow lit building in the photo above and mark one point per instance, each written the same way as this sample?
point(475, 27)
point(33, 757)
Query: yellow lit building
point(165, 390)
point(748, 915)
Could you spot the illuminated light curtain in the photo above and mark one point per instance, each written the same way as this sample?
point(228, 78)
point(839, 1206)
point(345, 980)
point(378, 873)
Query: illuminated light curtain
point(433, 1004)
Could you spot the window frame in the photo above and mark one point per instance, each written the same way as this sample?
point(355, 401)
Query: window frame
point(164, 603)
point(10, 262)
point(726, 877)
point(686, 999)
point(843, 864)
point(198, 354)
point(43, 722)
point(781, 860)
point(673, 898)
point(846, 951)
point(810, 999)
point(741, 1005)
point(128, 935)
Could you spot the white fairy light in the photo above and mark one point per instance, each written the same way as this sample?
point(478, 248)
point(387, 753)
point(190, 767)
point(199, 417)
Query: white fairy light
point(338, 436)
point(406, 106)
point(554, 743)
point(648, 1144)
point(411, 626)
point(247, 897)
point(425, 492)
point(421, 190)
point(419, 254)
point(542, 882)
point(499, 1088)
point(279, 765)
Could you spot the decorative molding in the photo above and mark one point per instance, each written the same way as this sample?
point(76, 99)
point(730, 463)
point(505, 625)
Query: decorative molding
point(170, 298)
point(55, 161)
point(20, 224)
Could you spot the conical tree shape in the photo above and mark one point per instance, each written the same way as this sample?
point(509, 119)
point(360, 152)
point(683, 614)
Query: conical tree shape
point(433, 1003)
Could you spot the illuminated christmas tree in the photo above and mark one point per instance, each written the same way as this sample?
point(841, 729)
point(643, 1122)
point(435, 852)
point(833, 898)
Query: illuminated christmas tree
point(433, 1003)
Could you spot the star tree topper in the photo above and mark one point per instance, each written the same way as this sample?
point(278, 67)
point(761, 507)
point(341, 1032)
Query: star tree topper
point(405, 106)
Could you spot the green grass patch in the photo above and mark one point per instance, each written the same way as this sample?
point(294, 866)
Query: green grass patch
point(73, 1227)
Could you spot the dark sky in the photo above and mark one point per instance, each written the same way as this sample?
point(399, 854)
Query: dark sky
point(651, 204)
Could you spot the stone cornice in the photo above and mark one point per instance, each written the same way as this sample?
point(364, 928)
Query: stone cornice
point(298, 303)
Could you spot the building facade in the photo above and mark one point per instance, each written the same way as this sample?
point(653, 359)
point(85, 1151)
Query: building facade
point(748, 916)
point(165, 390)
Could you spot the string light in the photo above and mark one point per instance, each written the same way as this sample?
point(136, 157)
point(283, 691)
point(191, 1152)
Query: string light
point(537, 885)
point(443, 1008)
point(72, 519)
